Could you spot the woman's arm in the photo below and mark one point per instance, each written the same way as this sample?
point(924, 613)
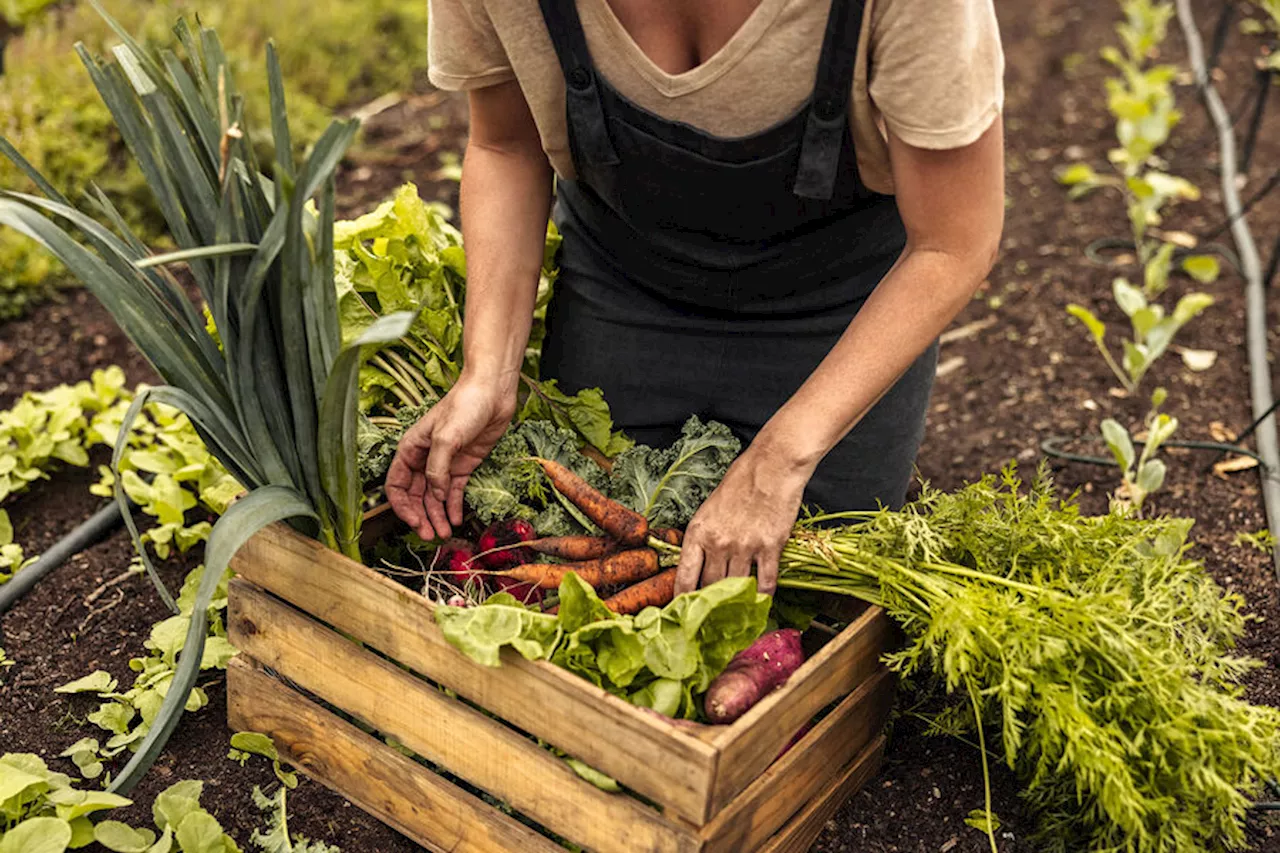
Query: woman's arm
point(952, 203)
point(506, 196)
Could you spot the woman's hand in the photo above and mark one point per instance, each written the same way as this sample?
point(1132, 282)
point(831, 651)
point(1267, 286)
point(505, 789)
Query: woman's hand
point(437, 454)
point(745, 522)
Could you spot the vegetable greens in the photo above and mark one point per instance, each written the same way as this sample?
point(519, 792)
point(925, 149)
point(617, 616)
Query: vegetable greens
point(661, 658)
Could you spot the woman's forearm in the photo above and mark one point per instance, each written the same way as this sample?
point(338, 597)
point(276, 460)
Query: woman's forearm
point(505, 200)
point(915, 302)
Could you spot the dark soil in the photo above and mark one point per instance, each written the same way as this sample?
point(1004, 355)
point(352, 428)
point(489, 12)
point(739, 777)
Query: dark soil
point(1029, 375)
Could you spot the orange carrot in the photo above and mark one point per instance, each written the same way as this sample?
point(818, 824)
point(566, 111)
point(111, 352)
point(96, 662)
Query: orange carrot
point(667, 534)
point(625, 525)
point(573, 547)
point(657, 591)
point(621, 568)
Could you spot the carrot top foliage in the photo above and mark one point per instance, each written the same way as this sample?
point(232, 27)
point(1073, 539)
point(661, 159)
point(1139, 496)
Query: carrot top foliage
point(1100, 653)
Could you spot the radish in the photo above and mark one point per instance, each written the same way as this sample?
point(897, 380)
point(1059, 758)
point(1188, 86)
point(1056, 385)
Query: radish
point(454, 559)
point(754, 673)
point(502, 535)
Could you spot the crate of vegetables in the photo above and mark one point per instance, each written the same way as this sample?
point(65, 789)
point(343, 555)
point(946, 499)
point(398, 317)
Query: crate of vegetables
point(502, 726)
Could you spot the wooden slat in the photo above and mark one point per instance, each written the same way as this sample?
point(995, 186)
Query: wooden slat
point(393, 788)
point(803, 830)
point(797, 777)
point(445, 731)
point(653, 758)
point(749, 745)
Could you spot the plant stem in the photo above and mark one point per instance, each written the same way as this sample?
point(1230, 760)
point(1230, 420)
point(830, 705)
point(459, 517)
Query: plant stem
point(986, 771)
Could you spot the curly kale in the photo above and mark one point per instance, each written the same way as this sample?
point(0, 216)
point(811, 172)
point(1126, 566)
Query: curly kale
point(668, 485)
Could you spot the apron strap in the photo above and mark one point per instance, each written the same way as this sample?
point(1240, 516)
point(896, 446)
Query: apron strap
point(582, 92)
point(829, 108)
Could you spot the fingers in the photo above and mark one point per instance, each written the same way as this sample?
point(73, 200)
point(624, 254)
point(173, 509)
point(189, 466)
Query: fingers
point(767, 571)
point(445, 444)
point(457, 490)
point(690, 568)
point(739, 564)
point(406, 483)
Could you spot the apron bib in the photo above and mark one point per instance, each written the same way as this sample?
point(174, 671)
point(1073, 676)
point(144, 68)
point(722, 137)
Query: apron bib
point(711, 275)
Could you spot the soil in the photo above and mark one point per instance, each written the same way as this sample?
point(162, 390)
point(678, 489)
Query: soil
point(1025, 376)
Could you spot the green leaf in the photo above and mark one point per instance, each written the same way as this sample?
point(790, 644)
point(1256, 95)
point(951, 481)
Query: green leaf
point(200, 832)
point(176, 802)
point(667, 486)
point(37, 835)
point(121, 838)
point(594, 776)
point(1203, 268)
point(1119, 443)
point(1156, 272)
point(1151, 476)
point(1191, 306)
point(242, 520)
point(1096, 327)
point(81, 832)
point(481, 632)
point(1162, 429)
point(255, 743)
point(71, 804)
point(980, 819)
point(99, 681)
point(1128, 297)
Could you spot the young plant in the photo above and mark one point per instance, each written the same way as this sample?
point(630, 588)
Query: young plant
point(1151, 329)
point(274, 396)
point(1143, 473)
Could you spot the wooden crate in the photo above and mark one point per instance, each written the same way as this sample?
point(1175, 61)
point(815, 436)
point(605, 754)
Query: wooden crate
point(296, 608)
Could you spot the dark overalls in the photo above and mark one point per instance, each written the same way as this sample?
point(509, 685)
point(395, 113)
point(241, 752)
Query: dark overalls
point(710, 276)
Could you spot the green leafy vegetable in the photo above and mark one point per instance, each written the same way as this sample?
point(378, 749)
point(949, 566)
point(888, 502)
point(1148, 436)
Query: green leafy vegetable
point(668, 485)
point(659, 658)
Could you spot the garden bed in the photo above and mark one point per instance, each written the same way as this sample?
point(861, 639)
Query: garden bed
point(1026, 376)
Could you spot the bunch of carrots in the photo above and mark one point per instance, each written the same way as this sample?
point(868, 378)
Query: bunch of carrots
point(630, 554)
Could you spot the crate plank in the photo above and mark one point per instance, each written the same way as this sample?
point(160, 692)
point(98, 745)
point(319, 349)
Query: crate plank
point(443, 730)
point(749, 745)
point(391, 787)
point(803, 830)
point(793, 781)
point(666, 765)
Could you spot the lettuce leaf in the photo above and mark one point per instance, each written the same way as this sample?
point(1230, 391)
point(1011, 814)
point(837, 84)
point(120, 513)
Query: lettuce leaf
point(662, 658)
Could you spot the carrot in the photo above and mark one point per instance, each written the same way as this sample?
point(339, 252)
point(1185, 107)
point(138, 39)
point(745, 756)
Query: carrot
point(625, 525)
point(573, 547)
point(668, 534)
point(657, 591)
point(621, 568)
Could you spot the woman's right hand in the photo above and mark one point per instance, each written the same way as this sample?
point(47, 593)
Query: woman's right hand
point(436, 455)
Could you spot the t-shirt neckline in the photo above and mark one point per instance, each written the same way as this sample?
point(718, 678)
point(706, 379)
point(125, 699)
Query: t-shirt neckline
point(720, 62)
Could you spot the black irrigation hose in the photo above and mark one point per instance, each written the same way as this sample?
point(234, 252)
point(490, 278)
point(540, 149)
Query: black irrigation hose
point(1051, 447)
point(1094, 250)
point(1220, 33)
point(1255, 123)
point(101, 523)
point(1246, 206)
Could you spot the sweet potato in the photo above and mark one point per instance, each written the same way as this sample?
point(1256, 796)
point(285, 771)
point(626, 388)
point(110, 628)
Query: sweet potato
point(754, 673)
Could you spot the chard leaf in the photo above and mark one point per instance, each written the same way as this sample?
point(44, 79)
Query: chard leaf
point(481, 632)
point(37, 835)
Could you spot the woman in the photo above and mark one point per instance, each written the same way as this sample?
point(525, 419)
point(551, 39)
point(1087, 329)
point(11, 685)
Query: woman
point(770, 210)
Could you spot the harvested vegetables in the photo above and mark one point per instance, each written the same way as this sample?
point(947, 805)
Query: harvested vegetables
point(754, 673)
point(651, 592)
point(661, 659)
point(624, 567)
point(1098, 651)
point(617, 521)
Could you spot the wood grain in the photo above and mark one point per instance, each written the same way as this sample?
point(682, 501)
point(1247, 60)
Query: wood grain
point(396, 790)
point(445, 731)
point(749, 745)
point(653, 758)
point(795, 779)
point(803, 830)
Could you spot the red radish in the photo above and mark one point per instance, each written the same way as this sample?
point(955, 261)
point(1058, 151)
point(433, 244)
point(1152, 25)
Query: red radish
point(754, 673)
point(503, 535)
point(526, 592)
point(454, 559)
point(456, 600)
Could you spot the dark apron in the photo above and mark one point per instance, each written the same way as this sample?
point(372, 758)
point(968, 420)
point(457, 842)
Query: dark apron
point(710, 276)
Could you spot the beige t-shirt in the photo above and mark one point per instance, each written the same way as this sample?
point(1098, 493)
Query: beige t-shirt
point(935, 75)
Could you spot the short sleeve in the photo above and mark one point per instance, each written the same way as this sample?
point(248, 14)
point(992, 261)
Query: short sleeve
point(463, 48)
point(937, 70)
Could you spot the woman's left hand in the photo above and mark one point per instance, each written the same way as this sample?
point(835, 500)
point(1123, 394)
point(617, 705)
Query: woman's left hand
point(745, 522)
